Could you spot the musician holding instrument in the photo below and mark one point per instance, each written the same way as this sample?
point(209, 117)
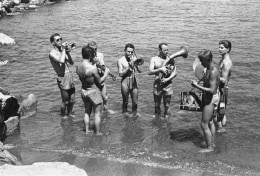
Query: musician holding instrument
point(103, 73)
point(127, 69)
point(60, 59)
point(164, 74)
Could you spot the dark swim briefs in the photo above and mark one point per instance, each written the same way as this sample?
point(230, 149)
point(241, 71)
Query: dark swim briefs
point(91, 95)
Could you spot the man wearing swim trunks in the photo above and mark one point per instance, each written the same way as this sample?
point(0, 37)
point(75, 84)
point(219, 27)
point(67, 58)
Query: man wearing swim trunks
point(99, 59)
point(91, 96)
point(60, 59)
point(162, 88)
point(225, 65)
point(210, 97)
point(127, 70)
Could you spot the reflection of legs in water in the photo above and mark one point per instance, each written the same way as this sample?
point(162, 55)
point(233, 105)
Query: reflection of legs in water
point(208, 130)
point(166, 103)
point(125, 95)
point(134, 96)
point(97, 118)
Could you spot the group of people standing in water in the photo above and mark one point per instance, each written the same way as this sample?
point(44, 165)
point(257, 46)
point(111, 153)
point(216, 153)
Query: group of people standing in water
point(93, 72)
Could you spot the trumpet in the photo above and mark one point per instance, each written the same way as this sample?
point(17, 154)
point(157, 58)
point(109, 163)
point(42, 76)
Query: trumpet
point(170, 62)
point(70, 46)
point(137, 62)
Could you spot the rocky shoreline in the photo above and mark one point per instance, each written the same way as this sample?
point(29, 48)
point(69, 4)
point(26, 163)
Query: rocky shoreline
point(11, 7)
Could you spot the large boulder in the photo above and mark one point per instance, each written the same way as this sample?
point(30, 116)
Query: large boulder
point(6, 40)
point(42, 169)
point(28, 106)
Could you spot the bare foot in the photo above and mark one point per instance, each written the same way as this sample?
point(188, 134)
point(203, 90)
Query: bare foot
point(221, 130)
point(110, 111)
point(72, 115)
point(207, 150)
point(88, 132)
point(99, 134)
point(65, 117)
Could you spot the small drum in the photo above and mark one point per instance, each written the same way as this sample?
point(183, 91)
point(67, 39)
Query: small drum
point(191, 101)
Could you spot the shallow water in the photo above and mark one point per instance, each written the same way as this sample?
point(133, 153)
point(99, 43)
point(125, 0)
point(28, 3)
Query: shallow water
point(142, 146)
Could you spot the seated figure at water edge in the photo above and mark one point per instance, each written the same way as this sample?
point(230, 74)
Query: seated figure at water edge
point(210, 97)
point(129, 85)
point(225, 66)
point(90, 94)
point(60, 59)
point(162, 88)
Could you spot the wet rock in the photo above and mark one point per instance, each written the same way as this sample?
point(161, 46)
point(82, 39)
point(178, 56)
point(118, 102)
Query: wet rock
point(6, 40)
point(12, 124)
point(28, 106)
point(6, 156)
point(42, 169)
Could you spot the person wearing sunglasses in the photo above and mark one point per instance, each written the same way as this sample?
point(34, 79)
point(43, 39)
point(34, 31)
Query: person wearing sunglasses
point(127, 70)
point(60, 59)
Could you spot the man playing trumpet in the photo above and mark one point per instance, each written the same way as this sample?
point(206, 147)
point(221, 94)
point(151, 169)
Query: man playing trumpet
point(162, 87)
point(60, 59)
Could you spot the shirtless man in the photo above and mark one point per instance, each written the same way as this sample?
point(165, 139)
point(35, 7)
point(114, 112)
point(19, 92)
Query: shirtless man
point(210, 97)
point(127, 70)
point(162, 88)
point(91, 96)
point(99, 59)
point(225, 65)
point(60, 59)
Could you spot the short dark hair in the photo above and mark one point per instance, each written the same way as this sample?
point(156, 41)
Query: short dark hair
point(205, 55)
point(52, 36)
point(226, 43)
point(88, 53)
point(161, 44)
point(129, 45)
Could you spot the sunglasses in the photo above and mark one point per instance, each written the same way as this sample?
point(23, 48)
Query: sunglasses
point(59, 39)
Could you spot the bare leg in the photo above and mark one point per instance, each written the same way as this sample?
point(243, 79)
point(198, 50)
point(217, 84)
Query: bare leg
point(97, 119)
point(65, 103)
point(207, 114)
point(157, 103)
point(71, 102)
point(134, 96)
point(88, 109)
point(104, 97)
point(166, 103)
point(125, 95)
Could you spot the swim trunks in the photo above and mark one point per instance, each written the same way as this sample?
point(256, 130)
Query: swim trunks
point(66, 82)
point(130, 82)
point(91, 95)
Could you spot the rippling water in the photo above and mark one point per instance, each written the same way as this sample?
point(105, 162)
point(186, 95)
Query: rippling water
point(140, 147)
